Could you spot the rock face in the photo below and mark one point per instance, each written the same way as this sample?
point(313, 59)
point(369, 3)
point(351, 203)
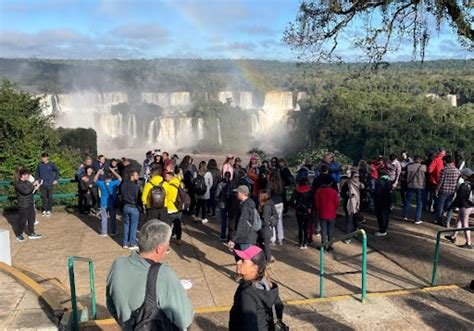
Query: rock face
point(166, 124)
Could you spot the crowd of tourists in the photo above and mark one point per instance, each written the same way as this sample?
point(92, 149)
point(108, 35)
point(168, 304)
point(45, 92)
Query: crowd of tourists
point(249, 201)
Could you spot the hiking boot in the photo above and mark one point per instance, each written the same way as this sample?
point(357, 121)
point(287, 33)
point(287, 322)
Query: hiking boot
point(466, 245)
point(20, 238)
point(417, 222)
point(380, 234)
point(35, 236)
point(450, 238)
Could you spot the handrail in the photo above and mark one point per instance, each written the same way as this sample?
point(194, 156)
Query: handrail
point(75, 320)
point(61, 181)
point(437, 249)
point(364, 261)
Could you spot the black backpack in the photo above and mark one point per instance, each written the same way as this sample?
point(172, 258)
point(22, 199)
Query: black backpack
point(157, 195)
point(183, 200)
point(150, 317)
point(200, 186)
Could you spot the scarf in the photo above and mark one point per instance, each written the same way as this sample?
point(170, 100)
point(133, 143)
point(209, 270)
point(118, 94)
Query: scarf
point(353, 204)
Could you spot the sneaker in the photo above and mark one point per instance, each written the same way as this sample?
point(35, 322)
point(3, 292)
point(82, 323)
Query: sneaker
point(125, 246)
point(450, 238)
point(347, 241)
point(301, 246)
point(48, 213)
point(418, 222)
point(280, 243)
point(114, 234)
point(36, 222)
point(205, 221)
point(272, 260)
point(44, 212)
point(305, 247)
point(133, 248)
point(103, 235)
point(168, 251)
point(466, 245)
point(405, 219)
point(380, 234)
point(317, 234)
point(20, 238)
point(34, 236)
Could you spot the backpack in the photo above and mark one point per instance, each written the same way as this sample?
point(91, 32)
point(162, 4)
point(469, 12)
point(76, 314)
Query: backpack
point(183, 200)
point(274, 219)
point(257, 221)
point(150, 317)
point(216, 178)
point(200, 186)
point(157, 196)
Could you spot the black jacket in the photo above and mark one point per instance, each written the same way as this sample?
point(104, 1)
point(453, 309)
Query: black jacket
point(252, 308)
point(131, 193)
point(383, 192)
point(462, 196)
point(24, 193)
point(244, 233)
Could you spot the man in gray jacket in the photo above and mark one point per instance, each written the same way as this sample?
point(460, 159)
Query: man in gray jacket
point(244, 235)
point(126, 282)
point(415, 181)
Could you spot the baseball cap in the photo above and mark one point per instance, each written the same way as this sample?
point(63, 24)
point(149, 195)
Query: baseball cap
point(249, 253)
point(242, 189)
point(467, 172)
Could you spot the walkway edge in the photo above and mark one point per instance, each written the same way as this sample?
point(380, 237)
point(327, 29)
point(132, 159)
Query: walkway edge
point(207, 310)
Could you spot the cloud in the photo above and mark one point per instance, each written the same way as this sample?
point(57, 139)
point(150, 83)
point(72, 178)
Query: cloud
point(39, 6)
point(148, 33)
point(257, 30)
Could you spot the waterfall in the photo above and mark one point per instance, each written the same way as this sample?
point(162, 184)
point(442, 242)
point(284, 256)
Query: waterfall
point(180, 99)
point(223, 96)
point(166, 132)
point(219, 134)
point(131, 132)
point(246, 100)
point(255, 125)
point(200, 128)
point(151, 132)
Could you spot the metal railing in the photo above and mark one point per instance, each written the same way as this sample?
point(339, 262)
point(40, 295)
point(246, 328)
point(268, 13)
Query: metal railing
point(322, 248)
point(437, 250)
point(75, 317)
point(58, 196)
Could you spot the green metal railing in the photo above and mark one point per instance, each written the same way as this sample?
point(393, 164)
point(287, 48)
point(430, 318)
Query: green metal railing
point(75, 317)
point(57, 196)
point(364, 262)
point(437, 250)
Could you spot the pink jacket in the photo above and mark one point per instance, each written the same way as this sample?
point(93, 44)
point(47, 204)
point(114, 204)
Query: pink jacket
point(227, 167)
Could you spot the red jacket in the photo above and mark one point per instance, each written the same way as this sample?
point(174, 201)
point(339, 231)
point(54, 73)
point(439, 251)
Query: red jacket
point(327, 201)
point(435, 168)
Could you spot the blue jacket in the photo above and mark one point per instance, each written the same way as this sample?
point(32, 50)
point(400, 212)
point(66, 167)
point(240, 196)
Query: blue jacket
point(47, 172)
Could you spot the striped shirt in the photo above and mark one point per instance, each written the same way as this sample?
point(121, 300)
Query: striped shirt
point(448, 178)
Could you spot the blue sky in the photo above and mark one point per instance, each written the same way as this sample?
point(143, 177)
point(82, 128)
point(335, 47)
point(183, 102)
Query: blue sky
point(91, 29)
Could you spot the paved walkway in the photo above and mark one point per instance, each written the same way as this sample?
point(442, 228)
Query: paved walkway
point(402, 260)
point(20, 308)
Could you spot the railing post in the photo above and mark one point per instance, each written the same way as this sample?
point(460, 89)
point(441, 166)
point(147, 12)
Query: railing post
point(92, 284)
point(436, 259)
point(364, 265)
point(321, 272)
point(75, 321)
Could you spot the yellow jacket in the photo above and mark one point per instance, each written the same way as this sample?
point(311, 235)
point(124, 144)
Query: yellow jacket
point(154, 181)
point(171, 194)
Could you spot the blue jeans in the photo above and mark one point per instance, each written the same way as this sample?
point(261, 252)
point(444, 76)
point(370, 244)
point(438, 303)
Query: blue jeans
point(223, 223)
point(131, 217)
point(113, 223)
point(442, 203)
point(419, 202)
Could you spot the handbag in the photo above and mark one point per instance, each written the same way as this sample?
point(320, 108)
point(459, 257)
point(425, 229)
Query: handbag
point(278, 324)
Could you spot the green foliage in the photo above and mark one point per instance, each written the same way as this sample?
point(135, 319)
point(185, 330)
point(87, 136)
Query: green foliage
point(82, 141)
point(259, 152)
point(316, 155)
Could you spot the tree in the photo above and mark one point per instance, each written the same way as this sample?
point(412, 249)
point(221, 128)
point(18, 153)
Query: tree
point(320, 26)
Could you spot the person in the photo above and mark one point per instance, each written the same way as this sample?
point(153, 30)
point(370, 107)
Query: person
point(252, 173)
point(430, 187)
point(383, 201)
point(269, 216)
point(365, 178)
point(86, 197)
point(156, 181)
point(175, 216)
point(435, 167)
point(146, 165)
point(415, 184)
point(350, 193)
point(445, 190)
point(127, 167)
point(224, 196)
point(244, 235)
point(274, 163)
point(228, 166)
point(275, 189)
point(101, 163)
point(394, 171)
point(303, 201)
point(157, 162)
point(327, 202)
point(166, 162)
point(288, 182)
point(126, 281)
point(132, 205)
point(203, 176)
point(404, 162)
point(464, 201)
point(303, 170)
point(25, 191)
point(47, 174)
point(335, 170)
point(108, 199)
point(216, 179)
point(81, 170)
point(326, 161)
point(459, 161)
point(188, 173)
point(257, 298)
point(323, 174)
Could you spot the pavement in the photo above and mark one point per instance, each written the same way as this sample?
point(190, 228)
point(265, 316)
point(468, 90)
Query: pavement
point(400, 261)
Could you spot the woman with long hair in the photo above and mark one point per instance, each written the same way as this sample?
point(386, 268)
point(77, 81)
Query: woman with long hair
point(303, 201)
point(275, 190)
point(202, 187)
point(351, 195)
point(187, 170)
point(257, 304)
point(269, 216)
point(216, 178)
point(228, 166)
